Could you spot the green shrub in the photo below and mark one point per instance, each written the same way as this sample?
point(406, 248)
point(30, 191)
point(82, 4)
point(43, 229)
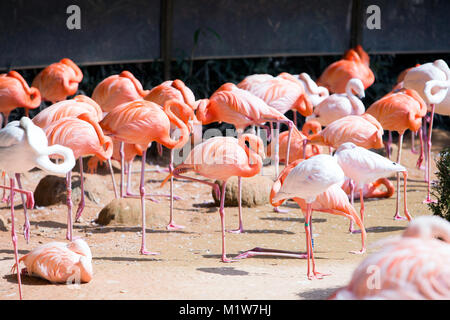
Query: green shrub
point(441, 190)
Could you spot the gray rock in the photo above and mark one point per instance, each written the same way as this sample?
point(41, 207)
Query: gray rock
point(3, 224)
point(255, 191)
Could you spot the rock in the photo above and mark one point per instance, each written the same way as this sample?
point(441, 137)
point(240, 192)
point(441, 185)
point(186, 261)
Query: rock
point(127, 211)
point(3, 224)
point(52, 190)
point(255, 191)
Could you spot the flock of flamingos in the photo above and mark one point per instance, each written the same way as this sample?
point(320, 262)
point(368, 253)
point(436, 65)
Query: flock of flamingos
point(327, 163)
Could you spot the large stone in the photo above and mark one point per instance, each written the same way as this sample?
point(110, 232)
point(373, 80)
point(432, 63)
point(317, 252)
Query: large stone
point(127, 211)
point(255, 191)
point(52, 190)
point(3, 224)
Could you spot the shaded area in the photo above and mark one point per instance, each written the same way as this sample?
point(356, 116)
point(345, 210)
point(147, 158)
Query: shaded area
point(224, 271)
point(316, 294)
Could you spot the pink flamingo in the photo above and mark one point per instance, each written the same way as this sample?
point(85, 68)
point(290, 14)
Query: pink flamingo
point(15, 93)
point(24, 146)
point(431, 81)
point(339, 105)
point(364, 131)
point(364, 166)
point(415, 265)
point(141, 122)
point(59, 262)
point(370, 190)
point(58, 81)
point(83, 136)
point(118, 89)
point(221, 158)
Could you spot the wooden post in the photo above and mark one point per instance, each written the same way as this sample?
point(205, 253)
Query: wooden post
point(357, 23)
point(166, 35)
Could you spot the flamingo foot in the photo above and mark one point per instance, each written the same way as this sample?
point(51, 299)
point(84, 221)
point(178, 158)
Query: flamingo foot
point(317, 275)
point(399, 217)
point(279, 210)
point(173, 226)
point(145, 252)
point(79, 211)
point(239, 230)
point(429, 200)
point(228, 260)
point(362, 251)
point(355, 231)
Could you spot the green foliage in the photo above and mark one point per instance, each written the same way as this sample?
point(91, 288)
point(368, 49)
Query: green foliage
point(441, 190)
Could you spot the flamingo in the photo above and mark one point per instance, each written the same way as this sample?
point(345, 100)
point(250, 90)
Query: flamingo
point(415, 265)
point(354, 64)
point(306, 180)
point(399, 111)
point(370, 190)
point(339, 105)
point(24, 146)
point(431, 81)
point(315, 93)
point(59, 262)
point(140, 122)
point(241, 108)
point(83, 136)
point(118, 89)
point(58, 81)
point(15, 93)
point(221, 158)
point(364, 131)
point(364, 166)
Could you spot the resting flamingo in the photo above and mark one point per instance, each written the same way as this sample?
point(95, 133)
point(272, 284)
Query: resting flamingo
point(118, 89)
point(83, 136)
point(15, 93)
point(141, 122)
point(339, 105)
point(399, 111)
point(415, 265)
point(354, 64)
point(24, 146)
point(364, 166)
point(58, 81)
point(431, 81)
point(221, 158)
point(364, 131)
point(59, 262)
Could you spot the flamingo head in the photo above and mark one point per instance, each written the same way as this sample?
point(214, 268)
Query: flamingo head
point(81, 247)
point(356, 86)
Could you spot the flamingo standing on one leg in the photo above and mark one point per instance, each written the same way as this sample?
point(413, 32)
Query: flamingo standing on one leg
point(140, 122)
point(59, 262)
point(24, 146)
point(15, 93)
point(415, 265)
point(333, 200)
point(118, 89)
point(354, 64)
point(58, 81)
point(221, 158)
point(83, 136)
point(339, 105)
point(399, 111)
point(364, 166)
point(433, 94)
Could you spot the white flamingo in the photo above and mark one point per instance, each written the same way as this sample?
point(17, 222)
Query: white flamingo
point(339, 105)
point(24, 146)
point(364, 166)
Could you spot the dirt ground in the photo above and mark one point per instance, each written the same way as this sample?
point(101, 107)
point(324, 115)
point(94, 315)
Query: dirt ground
point(188, 265)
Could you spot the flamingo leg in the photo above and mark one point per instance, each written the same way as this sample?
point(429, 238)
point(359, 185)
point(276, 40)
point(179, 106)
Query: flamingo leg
point(430, 130)
point(425, 137)
point(69, 205)
point(309, 246)
point(4, 197)
point(122, 168)
point(222, 222)
point(421, 154)
point(82, 203)
point(160, 149)
point(399, 154)
point(172, 225)
point(142, 193)
point(277, 149)
point(352, 197)
point(241, 225)
point(295, 117)
point(14, 236)
point(116, 194)
point(26, 226)
point(413, 147)
point(388, 145)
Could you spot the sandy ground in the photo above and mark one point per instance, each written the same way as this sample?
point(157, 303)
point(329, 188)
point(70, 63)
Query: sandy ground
point(188, 264)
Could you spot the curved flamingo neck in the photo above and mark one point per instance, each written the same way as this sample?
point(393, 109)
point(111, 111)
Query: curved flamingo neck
point(254, 159)
point(203, 112)
point(167, 141)
point(180, 86)
point(137, 85)
point(357, 105)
